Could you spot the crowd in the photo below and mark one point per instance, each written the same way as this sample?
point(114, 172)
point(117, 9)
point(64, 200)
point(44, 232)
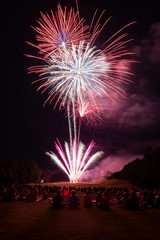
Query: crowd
point(101, 197)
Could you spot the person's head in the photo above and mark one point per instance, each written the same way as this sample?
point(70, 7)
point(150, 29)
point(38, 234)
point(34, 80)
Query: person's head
point(125, 195)
point(73, 192)
point(87, 192)
point(99, 194)
point(58, 192)
point(145, 193)
point(133, 194)
point(150, 194)
point(105, 194)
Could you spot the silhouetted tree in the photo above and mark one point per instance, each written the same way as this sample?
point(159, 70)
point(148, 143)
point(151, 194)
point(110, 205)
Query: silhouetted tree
point(14, 171)
point(8, 170)
point(33, 173)
point(143, 171)
point(47, 175)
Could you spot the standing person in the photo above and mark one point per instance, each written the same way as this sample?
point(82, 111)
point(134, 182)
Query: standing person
point(73, 200)
point(87, 201)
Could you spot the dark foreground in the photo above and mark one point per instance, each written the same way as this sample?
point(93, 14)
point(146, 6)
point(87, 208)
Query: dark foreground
point(37, 220)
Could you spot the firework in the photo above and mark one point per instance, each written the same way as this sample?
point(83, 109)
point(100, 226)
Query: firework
point(79, 77)
point(59, 29)
point(79, 74)
point(75, 162)
point(76, 75)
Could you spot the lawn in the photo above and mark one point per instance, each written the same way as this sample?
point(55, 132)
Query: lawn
point(104, 183)
point(37, 220)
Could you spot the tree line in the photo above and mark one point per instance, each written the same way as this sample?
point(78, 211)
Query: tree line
point(13, 171)
point(145, 171)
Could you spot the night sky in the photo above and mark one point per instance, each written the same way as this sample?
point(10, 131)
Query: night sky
point(28, 129)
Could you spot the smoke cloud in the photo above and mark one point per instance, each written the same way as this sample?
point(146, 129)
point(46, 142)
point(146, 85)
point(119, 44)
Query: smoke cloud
point(107, 166)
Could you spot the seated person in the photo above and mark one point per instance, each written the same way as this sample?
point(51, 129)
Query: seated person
point(66, 195)
point(124, 201)
point(73, 200)
point(57, 202)
point(104, 201)
point(133, 200)
point(98, 197)
point(44, 194)
point(144, 199)
point(157, 201)
point(150, 199)
point(87, 201)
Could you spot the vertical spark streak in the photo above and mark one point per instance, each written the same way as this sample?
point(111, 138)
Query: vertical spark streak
point(68, 152)
point(80, 154)
point(74, 120)
point(70, 130)
point(74, 155)
point(79, 129)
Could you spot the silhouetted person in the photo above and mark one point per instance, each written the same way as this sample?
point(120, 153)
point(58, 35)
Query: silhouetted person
point(150, 199)
point(66, 194)
point(157, 201)
point(104, 201)
point(124, 202)
point(73, 200)
point(144, 199)
point(98, 197)
point(57, 201)
point(87, 200)
point(44, 194)
point(133, 200)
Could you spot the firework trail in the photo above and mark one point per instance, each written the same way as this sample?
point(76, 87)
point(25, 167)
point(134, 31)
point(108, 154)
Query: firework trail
point(75, 162)
point(79, 76)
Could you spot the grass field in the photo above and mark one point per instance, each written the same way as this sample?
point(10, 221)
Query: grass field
point(104, 183)
point(37, 220)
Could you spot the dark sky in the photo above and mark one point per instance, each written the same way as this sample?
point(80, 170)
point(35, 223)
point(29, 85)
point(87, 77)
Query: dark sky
point(28, 130)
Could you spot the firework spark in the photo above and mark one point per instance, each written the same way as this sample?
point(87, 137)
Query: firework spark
point(75, 162)
point(76, 74)
point(79, 76)
point(58, 29)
